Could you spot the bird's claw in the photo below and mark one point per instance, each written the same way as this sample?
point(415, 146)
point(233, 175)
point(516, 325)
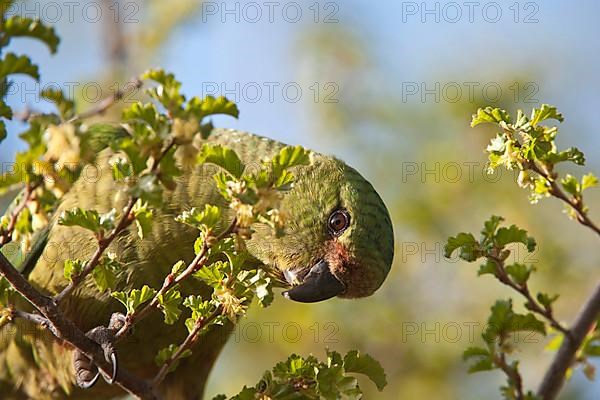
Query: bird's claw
point(86, 372)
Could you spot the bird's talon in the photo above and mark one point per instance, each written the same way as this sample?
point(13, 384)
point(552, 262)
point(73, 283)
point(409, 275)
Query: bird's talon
point(84, 367)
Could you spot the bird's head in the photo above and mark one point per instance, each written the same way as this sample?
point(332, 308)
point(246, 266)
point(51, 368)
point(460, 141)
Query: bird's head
point(338, 238)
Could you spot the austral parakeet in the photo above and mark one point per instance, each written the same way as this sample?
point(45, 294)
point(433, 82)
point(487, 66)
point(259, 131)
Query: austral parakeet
point(337, 241)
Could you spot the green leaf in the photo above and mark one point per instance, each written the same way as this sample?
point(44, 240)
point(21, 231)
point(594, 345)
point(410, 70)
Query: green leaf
point(167, 353)
point(571, 185)
point(144, 112)
point(466, 243)
point(169, 304)
point(198, 245)
point(514, 234)
point(19, 26)
point(87, 219)
point(288, 157)
point(588, 181)
point(65, 106)
point(121, 168)
point(482, 359)
point(212, 274)
point(168, 91)
point(364, 364)
point(260, 284)
point(143, 219)
point(546, 300)
point(161, 77)
point(489, 267)
point(480, 365)
point(131, 149)
point(72, 268)
point(104, 274)
point(497, 144)
point(107, 220)
point(178, 267)
point(489, 114)
point(571, 154)
point(491, 225)
point(148, 190)
point(132, 299)
point(2, 131)
point(13, 64)
point(223, 157)
point(471, 352)
point(208, 217)
point(519, 272)
point(543, 113)
point(5, 111)
point(200, 308)
point(211, 106)
point(503, 320)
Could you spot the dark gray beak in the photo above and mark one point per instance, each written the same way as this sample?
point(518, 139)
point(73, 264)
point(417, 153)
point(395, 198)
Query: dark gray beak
point(318, 285)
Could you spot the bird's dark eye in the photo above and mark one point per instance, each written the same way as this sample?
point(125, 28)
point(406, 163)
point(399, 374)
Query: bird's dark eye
point(338, 222)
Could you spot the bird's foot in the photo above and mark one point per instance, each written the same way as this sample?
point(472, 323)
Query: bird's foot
point(86, 372)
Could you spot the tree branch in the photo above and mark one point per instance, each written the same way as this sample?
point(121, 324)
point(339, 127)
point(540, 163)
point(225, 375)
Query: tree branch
point(65, 330)
point(108, 102)
point(523, 289)
point(555, 375)
point(187, 344)
point(6, 234)
point(103, 244)
point(170, 281)
point(576, 204)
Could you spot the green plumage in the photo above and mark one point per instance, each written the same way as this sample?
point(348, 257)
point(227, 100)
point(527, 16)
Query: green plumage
point(34, 364)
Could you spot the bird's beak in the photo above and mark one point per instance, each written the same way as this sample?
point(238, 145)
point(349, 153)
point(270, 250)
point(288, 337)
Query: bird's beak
point(318, 284)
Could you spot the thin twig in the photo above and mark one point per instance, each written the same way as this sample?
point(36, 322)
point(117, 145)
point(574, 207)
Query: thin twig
point(523, 289)
point(67, 331)
point(171, 281)
point(576, 204)
point(108, 102)
point(103, 244)
point(36, 318)
point(187, 344)
point(6, 234)
point(511, 373)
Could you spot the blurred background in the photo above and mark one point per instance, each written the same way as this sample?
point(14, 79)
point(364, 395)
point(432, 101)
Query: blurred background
point(389, 87)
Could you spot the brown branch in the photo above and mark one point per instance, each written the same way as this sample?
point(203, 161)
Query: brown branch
point(65, 330)
point(523, 289)
point(187, 344)
point(108, 102)
point(575, 203)
point(103, 243)
point(35, 318)
point(6, 234)
point(171, 281)
point(511, 373)
point(555, 375)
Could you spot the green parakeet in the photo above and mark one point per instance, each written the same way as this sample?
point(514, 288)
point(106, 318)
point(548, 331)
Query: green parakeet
point(337, 241)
